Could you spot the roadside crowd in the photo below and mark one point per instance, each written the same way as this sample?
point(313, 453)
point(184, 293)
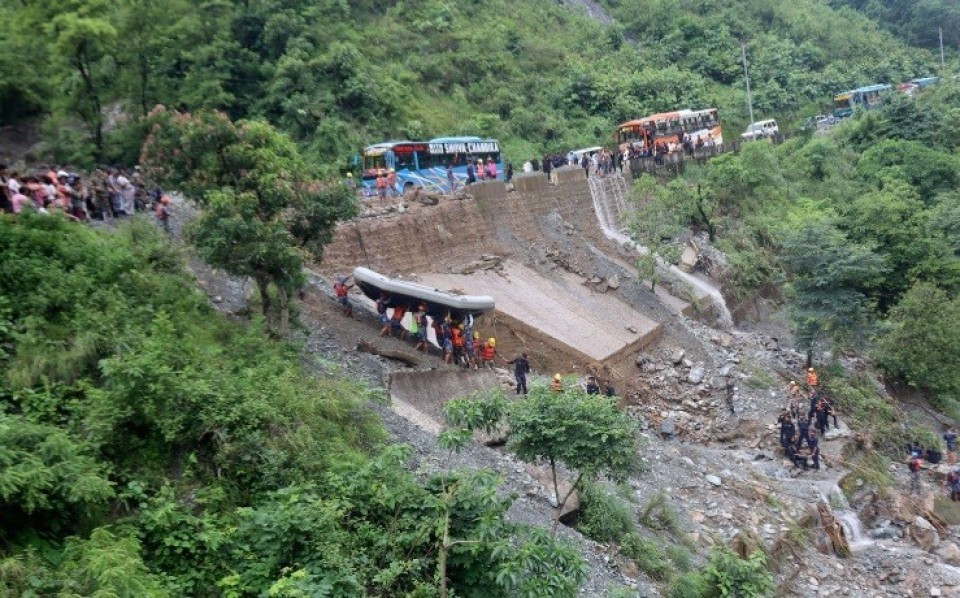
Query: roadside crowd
point(802, 418)
point(109, 194)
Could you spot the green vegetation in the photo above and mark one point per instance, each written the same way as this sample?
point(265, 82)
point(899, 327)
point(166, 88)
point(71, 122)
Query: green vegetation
point(859, 230)
point(337, 75)
point(263, 211)
point(151, 447)
point(586, 434)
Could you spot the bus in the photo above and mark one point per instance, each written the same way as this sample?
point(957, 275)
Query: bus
point(863, 97)
point(424, 163)
point(667, 126)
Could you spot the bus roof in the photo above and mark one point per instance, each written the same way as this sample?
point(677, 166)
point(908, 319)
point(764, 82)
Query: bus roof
point(665, 116)
point(378, 148)
point(869, 88)
point(465, 139)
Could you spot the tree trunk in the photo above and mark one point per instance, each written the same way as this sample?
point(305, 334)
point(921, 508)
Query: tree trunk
point(283, 307)
point(266, 305)
point(556, 497)
point(442, 556)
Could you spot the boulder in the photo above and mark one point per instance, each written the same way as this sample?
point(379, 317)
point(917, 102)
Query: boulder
point(614, 282)
point(696, 375)
point(677, 356)
point(950, 553)
point(923, 534)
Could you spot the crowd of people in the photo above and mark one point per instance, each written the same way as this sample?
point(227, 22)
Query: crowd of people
point(109, 194)
point(802, 418)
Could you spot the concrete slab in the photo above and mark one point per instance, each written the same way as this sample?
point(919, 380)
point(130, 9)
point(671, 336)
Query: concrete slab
point(420, 396)
point(589, 324)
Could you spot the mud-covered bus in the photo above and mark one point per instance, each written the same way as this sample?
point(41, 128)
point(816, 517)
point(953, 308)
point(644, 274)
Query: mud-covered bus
point(424, 163)
point(666, 128)
point(863, 97)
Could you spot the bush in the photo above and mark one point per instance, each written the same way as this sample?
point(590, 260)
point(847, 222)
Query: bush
point(647, 554)
point(603, 516)
point(729, 575)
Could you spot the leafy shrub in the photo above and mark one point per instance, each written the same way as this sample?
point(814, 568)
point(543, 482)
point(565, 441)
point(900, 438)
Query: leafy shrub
point(647, 554)
point(729, 575)
point(603, 516)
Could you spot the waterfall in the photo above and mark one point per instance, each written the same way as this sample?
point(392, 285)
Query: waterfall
point(609, 213)
point(848, 518)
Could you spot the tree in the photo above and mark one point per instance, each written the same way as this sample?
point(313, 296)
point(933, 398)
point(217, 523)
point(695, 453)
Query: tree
point(264, 210)
point(832, 279)
point(920, 348)
point(83, 40)
point(584, 433)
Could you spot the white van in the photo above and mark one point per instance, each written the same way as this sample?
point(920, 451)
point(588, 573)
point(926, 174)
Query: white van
point(761, 129)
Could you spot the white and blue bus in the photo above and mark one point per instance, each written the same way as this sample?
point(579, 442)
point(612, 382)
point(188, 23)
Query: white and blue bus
point(424, 163)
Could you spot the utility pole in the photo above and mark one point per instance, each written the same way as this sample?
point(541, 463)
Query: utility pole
point(746, 75)
point(941, 47)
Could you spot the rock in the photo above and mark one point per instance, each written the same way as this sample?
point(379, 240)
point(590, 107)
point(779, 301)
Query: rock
point(716, 481)
point(686, 363)
point(885, 532)
point(629, 569)
point(631, 329)
point(726, 340)
point(950, 553)
point(924, 534)
point(614, 282)
point(688, 461)
point(677, 356)
point(935, 591)
point(667, 429)
point(696, 375)
point(218, 299)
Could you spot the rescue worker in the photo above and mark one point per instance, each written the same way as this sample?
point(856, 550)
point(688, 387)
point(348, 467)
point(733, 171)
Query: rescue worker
point(447, 331)
point(396, 321)
point(382, 302)
point(803, 429)
point(914, 465)
point(556, 385)
point(950, 437)
point(822, 416)
point(489, 352)
point(456, 339)
point(341, 288)
point(521, 367)
point(814, 445)
point(470, 345)
point(592, 387)
point(794, 390)
point(420, 318)
point(392, 182)
point(813, 380)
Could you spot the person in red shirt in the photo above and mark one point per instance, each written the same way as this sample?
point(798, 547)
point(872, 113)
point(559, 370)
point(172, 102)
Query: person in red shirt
point(341, 288)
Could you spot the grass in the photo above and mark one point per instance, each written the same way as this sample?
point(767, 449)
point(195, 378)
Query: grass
point(604, 517)
point(759, 377)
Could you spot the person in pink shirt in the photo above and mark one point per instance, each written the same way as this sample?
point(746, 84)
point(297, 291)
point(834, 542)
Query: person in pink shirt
point(491, 169)
point(17, 201)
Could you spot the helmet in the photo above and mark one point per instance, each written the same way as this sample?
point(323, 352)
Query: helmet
point(557, 377)
point(480, 160)
point(476, 336)
point(349, 175)
point(392, 170)
point(810, 370)
point(492, 342)
point(793, 382)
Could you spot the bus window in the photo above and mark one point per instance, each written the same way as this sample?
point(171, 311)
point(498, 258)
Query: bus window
point(373, 162)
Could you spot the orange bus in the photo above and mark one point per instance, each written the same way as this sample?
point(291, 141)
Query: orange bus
point(667, 126)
